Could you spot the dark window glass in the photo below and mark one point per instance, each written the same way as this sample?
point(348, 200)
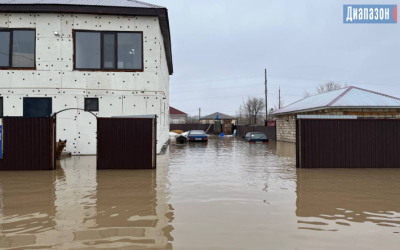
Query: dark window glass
point(4, 49)
point(258, 136)
point(87, 50)
point(109, 51)
point(1, 106)
point(129, 50)
point(91, 104)
point(23, 48)
point(37, 106)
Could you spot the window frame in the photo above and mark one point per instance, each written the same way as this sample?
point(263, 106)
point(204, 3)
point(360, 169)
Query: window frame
point(102, 68)
point(11, 52)
point(92, 98)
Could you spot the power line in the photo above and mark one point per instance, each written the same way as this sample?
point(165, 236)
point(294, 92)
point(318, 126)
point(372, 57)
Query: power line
point(219, 80)
point(219, 97)
point(235, 86)
point(288, 77)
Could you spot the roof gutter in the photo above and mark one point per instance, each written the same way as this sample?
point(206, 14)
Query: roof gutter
point(161, 13)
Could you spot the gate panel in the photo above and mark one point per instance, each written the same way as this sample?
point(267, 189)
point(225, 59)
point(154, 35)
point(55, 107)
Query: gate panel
point(348, 143)
point(27, 144)
point(126, 143)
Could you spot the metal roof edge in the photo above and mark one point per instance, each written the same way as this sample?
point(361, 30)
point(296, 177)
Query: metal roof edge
point(377, 93)
point(338, 107)
point(340, 96)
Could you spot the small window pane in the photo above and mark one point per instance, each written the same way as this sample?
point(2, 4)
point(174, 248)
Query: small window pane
point(91, 104)
point(109, 51)
point(23, 48)
point(87, 50)
point(37, 106)
point(130, 51)
point(4, 49)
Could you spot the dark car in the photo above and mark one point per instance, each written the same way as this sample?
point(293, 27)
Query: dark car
point(248, 134)
point(256, 137)
point(197, 136)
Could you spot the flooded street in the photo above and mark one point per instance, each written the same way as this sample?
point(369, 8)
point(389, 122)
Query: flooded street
point(224, 194)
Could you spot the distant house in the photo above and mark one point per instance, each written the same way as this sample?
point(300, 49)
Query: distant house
point(357, 102)
point(177, 116)
point(209, 119)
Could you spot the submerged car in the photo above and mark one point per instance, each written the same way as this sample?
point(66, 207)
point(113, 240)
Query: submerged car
point(197, 135)
point(256, 137)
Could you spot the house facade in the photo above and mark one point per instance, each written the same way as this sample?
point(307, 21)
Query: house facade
point(350, 101)
point(209, 119)
point(176, 116)
point(110, 58)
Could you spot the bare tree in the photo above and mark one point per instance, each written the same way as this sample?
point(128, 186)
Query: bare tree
point(251, 111)
point(192, 119)
point(307, 94)
point(329, 86)
point(324, 88)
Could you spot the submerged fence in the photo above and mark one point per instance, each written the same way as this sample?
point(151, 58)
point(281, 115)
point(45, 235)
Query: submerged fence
point(28, 143)
point(361, 143)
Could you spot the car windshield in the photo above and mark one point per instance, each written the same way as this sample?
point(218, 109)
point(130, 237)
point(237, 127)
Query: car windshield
point(258, 136)
point(197, 132)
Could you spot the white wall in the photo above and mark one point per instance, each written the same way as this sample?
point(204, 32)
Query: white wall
point(120, 93)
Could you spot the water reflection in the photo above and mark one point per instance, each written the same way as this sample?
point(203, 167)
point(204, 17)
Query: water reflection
point(78, 207)
point(347, 196)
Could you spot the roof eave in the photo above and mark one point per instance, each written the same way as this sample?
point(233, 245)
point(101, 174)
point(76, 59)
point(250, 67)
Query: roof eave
point(162, 14)
point(336, 107)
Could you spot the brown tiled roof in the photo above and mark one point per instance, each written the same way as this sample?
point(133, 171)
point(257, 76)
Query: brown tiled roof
point(174, 111)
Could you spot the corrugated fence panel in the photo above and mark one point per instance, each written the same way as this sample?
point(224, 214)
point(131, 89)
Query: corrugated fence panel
point(348, 143)
point(126, 143)
point(270, 132)
point(27, 144)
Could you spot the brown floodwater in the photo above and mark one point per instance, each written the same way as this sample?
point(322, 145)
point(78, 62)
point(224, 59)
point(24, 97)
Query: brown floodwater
point(224, 194)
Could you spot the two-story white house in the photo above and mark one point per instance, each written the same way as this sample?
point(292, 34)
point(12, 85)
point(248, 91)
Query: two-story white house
point(109, 57)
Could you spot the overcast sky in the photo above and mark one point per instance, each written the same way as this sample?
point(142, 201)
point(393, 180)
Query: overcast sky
point(221, 48)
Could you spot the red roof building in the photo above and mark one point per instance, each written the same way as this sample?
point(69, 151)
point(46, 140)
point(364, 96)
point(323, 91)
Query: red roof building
point(176, 116)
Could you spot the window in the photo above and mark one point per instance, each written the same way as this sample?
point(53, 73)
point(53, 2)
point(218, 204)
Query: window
point(91, 104)
point(37, 106)
point(108, 50)
point(17, 48)
point(1, 107)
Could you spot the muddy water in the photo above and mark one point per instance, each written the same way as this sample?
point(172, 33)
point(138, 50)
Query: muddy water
point(226, 194)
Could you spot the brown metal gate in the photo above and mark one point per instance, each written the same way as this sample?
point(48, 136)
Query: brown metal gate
point(126, 143)
point(362, 143)
point(28, 143)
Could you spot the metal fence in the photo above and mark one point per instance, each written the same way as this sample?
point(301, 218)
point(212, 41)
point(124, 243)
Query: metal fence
point(28, 143)
point(358, 143)
point(126, 143)
point(270, 132)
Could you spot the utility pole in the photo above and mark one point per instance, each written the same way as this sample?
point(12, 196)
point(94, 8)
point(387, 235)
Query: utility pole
point(266, 97)
point(199, 114)
point(279, 98)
